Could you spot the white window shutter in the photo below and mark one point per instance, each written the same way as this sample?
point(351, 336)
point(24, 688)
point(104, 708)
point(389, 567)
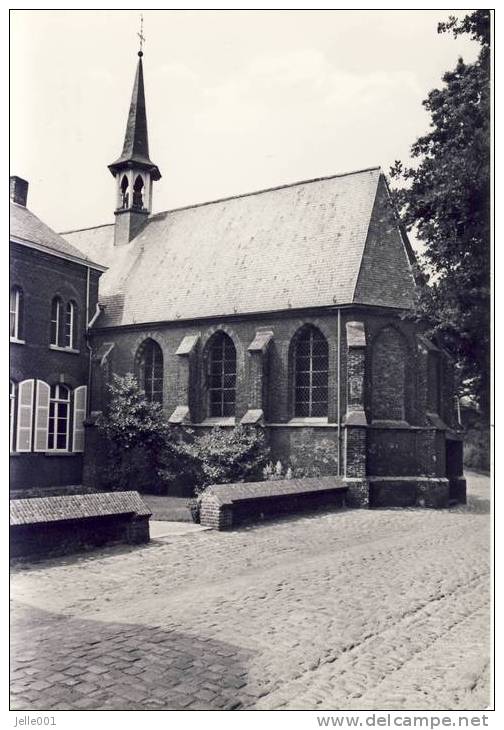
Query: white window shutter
point(79, 414)
point(41, 416)
point(25, 415)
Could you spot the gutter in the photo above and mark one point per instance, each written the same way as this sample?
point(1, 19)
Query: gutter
point(58, 254)
point(89, 324)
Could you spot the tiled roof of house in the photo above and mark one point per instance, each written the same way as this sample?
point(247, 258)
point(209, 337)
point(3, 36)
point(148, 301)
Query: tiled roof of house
point(290, 247)
point(27, 228)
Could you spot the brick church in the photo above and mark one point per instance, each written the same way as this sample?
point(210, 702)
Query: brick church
point(284, 309)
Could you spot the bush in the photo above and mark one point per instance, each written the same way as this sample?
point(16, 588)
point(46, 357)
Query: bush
point(274, 472)
point(477, 448)
point(222, 456)
point(143, 452)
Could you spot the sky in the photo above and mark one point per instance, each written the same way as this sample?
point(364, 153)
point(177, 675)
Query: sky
point(236, 100)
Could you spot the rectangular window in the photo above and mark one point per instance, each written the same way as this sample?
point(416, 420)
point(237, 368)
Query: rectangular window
point(59, 419)
point(16, 313)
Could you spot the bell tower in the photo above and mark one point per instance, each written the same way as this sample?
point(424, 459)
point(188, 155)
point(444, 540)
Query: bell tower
point(134, 171)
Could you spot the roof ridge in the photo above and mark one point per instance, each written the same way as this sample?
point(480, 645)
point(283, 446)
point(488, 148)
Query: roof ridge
point(235, 197)
point(263, 190)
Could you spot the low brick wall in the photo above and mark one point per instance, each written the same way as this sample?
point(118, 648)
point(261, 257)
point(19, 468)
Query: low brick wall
point(43, 527)
point(409, 492)
point(228, 505)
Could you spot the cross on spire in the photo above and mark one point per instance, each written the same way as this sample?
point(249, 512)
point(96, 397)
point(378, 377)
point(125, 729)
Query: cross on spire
point(141, 36)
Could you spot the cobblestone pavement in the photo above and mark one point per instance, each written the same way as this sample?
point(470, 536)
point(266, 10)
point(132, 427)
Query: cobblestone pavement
point(356, 609)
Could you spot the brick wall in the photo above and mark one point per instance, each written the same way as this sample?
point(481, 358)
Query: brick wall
point(60, 538)
point(41, 277)
point(388, 376)
point(278, 384)
point(278, 381)
point(398, 373)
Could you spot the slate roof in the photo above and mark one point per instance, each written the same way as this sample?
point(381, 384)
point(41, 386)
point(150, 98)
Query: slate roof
point(25, 227)
point(296, 246)
point(136, 142)
point(75, 506)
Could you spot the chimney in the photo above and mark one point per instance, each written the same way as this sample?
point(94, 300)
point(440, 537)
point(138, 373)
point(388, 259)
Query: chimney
point(18, 190)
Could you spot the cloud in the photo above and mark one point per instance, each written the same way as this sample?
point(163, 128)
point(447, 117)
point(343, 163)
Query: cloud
point(177, 72)
point(303, 84)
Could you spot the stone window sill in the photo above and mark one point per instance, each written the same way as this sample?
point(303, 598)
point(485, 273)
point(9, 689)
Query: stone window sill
point(15, 341)
point(61, 453)
point(390, 423)
point(319, 421)
point(17, 453)
point(64, 349)
point(301, 424)
point(231, 421)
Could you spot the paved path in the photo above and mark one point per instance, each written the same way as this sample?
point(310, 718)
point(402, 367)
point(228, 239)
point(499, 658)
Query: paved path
point(359, 609)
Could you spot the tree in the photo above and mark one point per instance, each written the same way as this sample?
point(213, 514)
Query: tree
point(445, 197)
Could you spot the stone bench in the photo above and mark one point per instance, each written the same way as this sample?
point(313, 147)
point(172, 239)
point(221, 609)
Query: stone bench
point(56, 525)
point(225, 505)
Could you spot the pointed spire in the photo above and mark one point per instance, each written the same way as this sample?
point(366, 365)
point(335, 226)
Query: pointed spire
point(136, 143)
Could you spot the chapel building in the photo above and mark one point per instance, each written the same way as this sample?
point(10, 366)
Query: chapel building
point(283, 309)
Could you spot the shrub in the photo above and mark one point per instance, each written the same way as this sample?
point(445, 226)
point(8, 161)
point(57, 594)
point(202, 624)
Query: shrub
point(477, 448)
point(143, 452)
point(222, 456)
point(274, 472)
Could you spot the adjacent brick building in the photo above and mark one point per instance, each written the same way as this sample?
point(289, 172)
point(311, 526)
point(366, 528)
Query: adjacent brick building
point(285, 309)
point(53, 295)
point(53, 302)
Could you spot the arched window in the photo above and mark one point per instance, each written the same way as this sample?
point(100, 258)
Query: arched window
point(12, 412)
point(16, 313)
point(221, 376)
point(388, 381)
point(70, 325)
point(59, 418)
point(124, 192)
point(137, 192)
point(56, 312)
point(311, 373)
point(150, 370)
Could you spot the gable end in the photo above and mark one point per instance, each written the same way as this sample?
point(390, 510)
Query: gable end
point(386, 276)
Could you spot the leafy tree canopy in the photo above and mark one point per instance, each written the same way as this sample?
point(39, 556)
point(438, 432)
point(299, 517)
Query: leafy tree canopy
point(444, 195)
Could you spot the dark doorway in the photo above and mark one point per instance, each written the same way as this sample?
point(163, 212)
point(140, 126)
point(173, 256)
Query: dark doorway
point(455, 470)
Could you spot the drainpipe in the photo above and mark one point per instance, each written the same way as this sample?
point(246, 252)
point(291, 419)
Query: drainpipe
point(98, 311)
point(90, 352)
point(338, 377)
point(459, 415)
